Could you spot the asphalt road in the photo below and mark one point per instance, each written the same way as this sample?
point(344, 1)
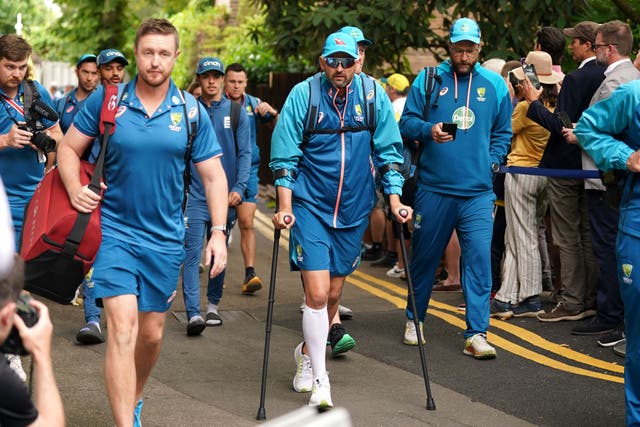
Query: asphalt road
point(542, 375)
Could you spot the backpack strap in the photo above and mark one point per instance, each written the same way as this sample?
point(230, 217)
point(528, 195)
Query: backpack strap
point(192, 130)
point(429, 86)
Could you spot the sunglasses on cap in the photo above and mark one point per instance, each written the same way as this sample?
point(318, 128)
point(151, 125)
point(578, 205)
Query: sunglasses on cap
point(334, 62)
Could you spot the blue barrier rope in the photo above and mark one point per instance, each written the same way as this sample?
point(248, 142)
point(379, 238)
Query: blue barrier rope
point(552, 173)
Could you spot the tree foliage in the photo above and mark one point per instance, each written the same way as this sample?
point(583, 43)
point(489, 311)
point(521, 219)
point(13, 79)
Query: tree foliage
point(300, 27)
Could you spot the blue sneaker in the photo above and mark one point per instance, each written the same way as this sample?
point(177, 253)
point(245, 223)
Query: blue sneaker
point(530, 307)
point(136, 414)
point(501, 310)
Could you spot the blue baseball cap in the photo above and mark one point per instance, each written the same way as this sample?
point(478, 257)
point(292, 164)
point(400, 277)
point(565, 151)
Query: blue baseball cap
point(340, 43)
point(110, 55)
point(464, 29)
point(357, 35)
point(87, 57)
point(210, 63)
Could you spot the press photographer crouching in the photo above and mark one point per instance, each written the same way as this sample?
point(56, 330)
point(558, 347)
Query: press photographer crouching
point(16, 406)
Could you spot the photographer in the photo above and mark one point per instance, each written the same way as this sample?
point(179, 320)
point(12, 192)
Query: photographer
point(16, 407)
point(22, 163)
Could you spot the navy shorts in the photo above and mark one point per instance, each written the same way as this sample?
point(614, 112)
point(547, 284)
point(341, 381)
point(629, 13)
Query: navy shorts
point(251, 192)
point(313, 245)
point(125, 269)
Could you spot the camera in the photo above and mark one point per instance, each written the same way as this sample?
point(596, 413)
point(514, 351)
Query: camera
point(40, 139)
point(29, 315)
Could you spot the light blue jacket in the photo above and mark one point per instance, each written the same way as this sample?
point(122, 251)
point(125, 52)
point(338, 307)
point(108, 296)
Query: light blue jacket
point(333, 174)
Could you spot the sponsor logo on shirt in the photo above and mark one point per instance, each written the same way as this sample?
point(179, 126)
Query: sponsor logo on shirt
point(192, 112)
point(227, 122)
point(176, 118)
point(121, 110)
point(464, 117)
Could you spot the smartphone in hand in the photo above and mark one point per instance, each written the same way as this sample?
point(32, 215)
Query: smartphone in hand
point(450, 128)
point(566, 121)
point(530, 72)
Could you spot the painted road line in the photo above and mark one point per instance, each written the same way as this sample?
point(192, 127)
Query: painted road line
point(438, 309)
point(517, 331)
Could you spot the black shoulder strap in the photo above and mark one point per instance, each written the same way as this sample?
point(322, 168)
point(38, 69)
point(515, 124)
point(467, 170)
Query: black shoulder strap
point(30, 93)
point(235, 119)
point(429, 86)
point(192, 130)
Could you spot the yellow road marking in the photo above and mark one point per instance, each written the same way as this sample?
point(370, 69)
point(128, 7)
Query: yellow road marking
point(363, 281)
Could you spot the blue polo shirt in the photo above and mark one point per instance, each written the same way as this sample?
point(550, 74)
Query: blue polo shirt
point(144, 165)
point(67, 107)
point(21, 169)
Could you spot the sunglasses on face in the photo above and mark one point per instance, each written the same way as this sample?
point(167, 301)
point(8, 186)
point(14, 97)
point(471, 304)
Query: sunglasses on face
point(345, 62)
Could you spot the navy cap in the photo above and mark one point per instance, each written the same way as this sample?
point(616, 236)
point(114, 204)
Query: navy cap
point(210, 63)
point(357, 35)
point(87, 57)
point(110, 55)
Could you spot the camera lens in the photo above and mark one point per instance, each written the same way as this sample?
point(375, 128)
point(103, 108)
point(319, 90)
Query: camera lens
point(44, 142)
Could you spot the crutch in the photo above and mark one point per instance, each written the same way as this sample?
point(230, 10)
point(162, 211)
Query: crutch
point(431, 405)
point(267, 336)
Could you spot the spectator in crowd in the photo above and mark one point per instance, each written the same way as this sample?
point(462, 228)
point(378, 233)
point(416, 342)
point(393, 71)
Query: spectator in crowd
point(326, 232)
point(567, 200)
point(7, 245)
point(613, 44)
point(111, 66)
point(236, 162)
point(16, 406)
point(525, 201)
point(455, 181)
point(138, 264)
point(552, 41)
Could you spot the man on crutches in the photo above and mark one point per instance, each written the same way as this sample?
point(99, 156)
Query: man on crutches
point(331, 128)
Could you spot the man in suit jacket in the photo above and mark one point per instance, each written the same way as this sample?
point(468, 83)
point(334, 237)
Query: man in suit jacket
point(613, 45)
point(567, 201)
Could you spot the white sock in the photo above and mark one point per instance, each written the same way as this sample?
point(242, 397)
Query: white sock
point(315, 328)
point(212, 307)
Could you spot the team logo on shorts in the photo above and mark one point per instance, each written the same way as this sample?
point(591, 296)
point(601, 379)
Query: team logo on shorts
point(176, 118)
point(417, 225)
point(356, 262)
point(121, 110)
point(299, 253)
point(626, 273)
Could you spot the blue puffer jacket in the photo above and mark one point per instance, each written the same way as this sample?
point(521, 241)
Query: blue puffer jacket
point(333, 174)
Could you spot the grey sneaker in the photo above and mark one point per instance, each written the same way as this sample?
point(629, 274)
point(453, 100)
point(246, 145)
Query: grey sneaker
point(500, 310)
point(345, 312)
point(90, 334)
point(620, 349)
point(559, 313)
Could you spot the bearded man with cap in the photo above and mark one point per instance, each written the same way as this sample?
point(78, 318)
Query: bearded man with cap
point(326, 190)
point(111, 65)
point(455, 184)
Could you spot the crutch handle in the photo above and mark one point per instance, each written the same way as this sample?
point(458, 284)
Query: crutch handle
point(287, 219)
point(403, 212)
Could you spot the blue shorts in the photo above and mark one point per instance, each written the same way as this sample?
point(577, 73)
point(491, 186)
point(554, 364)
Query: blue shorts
point(251, 192)
point(313, 245)
point(124, 269)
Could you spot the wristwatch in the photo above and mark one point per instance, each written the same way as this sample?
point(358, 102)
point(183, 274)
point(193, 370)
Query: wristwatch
point(222, 228)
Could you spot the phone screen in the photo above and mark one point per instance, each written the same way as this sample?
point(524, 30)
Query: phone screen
point(450, 128)
point(530, 72)
point(566, 121)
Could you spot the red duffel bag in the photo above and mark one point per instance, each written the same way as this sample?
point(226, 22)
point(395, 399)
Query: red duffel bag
point(59, 244)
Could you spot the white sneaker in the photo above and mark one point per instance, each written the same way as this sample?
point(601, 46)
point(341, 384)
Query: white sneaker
point(410, 336)
point(395, 272)
point(478, 347)
point(321, 393)
point(303, 380)
point(15, 363)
